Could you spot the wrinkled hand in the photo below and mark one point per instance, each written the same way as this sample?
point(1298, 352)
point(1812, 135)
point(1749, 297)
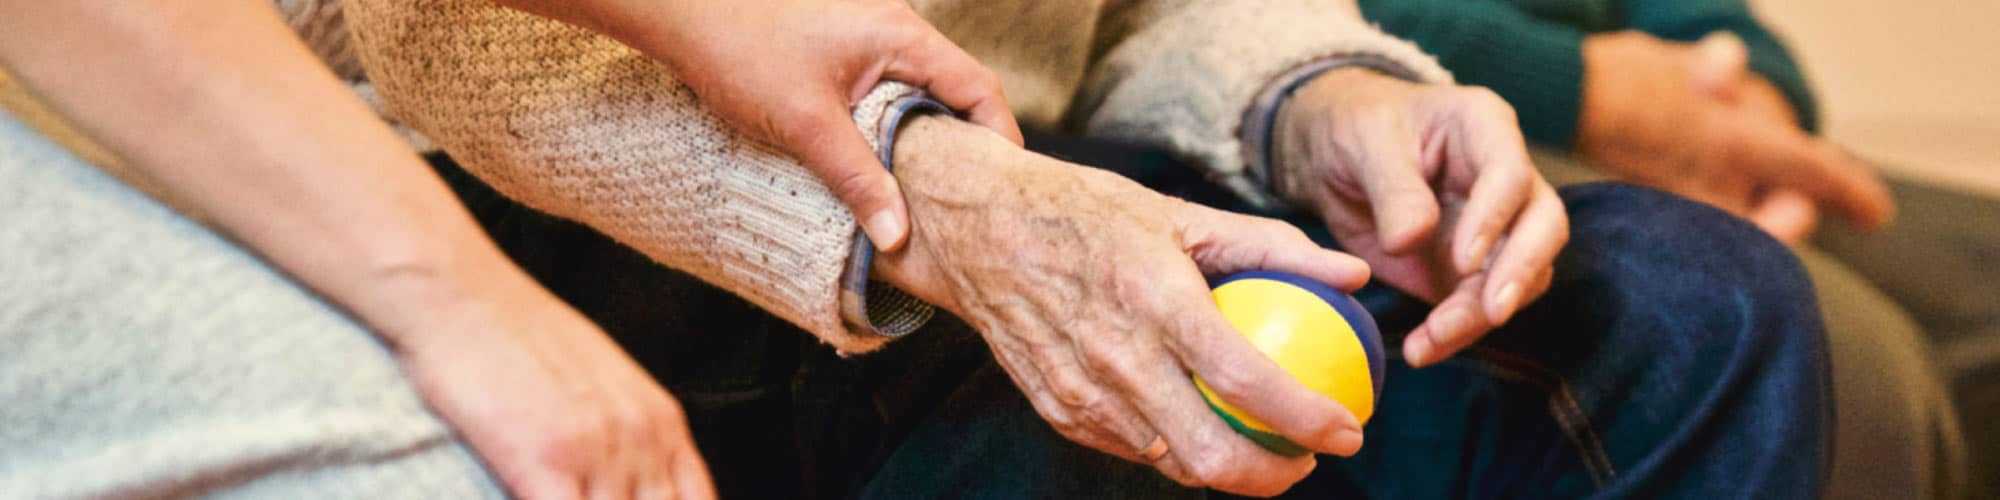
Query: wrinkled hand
point(787, 72)
point(556, 410)
point(1691, 119)
point(1090, 290)
point(1433, 187)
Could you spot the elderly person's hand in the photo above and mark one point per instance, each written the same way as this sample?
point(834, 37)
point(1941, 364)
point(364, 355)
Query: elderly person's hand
point(1691, 119)
point(1433, 187)
point(786, 72)
point(1090, 290)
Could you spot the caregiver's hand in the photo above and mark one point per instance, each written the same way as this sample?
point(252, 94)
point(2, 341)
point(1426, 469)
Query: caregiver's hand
point(1431, 184)
point(1090, 290)
point(787, 72)
point(556, 410)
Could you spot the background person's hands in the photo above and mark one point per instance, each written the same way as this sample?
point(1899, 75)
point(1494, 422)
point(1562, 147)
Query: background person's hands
point(1431, 185)
point(786, 72)
point(1693, 120)
point(1090, 290)
point(556, 410)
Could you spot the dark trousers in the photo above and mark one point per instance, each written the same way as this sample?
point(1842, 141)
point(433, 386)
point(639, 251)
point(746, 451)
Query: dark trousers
point(1679, 353)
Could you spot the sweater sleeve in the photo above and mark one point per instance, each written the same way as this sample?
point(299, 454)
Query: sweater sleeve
point(1185, 75)
point(1535, 64)
point(1689, 20)
point(577, 125)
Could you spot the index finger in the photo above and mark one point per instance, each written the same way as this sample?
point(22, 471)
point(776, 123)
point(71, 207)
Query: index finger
point(1833, 178)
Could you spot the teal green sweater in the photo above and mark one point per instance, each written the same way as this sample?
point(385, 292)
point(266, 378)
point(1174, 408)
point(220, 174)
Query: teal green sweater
point(1530, 51)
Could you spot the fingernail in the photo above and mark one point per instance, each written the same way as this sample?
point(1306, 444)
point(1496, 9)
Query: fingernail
point(1474, 258)
point(884, 229)
point(1505, 301)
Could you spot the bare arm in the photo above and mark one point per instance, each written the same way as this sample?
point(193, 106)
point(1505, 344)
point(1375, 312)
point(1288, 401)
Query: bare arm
point(226, 110)
point(218, 103)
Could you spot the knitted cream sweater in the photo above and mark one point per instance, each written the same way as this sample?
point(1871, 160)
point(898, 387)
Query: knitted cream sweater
point(575, 124)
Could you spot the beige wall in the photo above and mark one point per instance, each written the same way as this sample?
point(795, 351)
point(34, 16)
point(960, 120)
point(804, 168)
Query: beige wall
point(1915, 84)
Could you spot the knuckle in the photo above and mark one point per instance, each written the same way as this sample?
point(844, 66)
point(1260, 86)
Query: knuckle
point(1210, 468)
point(989, 82)
point(1231, 383)
point(1098, 412)
point(1071, 391)
point(791, 121)
point(1107, 361)
point(632, 420)
point(1065, 424)
point(568, 445)
point(849, 182)
point(1490, 102)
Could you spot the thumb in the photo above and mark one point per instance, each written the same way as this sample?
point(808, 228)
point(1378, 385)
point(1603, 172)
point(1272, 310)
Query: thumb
point(1720, 60)
point(958, 80)
point(827, 141)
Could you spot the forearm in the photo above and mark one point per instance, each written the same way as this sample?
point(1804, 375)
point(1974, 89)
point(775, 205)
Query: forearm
point(220, 105)
point(945, 164)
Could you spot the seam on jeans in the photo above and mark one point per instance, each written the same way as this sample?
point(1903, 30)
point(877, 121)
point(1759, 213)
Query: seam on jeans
point(1563, 406)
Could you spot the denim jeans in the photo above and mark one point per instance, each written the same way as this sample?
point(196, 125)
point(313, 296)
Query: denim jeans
point(1678, 353)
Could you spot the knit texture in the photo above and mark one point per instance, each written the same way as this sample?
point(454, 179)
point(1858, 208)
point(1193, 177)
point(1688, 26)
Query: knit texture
point(583, 127)
point(580, 126)
point(1183, 73)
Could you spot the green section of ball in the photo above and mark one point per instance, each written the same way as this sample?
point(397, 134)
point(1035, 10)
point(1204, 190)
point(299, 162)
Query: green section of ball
point(1277, 444)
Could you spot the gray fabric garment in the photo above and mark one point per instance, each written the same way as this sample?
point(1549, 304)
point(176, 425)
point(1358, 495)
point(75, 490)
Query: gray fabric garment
point(141, 355)
point(1897, 434)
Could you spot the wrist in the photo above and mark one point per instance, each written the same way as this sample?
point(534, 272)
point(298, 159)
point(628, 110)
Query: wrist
point(1305, 118)
point(439, 289)
point(1601, 116)
point(941, 164)
point(958, 179)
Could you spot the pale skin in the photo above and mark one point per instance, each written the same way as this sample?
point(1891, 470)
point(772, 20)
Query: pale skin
point(1088, 287)
point(1431, 184)
point(1693, 120)
point(205, 99)
point(798, 96)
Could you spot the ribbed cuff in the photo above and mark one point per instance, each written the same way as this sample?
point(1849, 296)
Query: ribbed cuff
point(1536, 68)
point(882, 309)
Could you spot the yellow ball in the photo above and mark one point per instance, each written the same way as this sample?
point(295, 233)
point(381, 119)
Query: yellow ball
point(1321, 336)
